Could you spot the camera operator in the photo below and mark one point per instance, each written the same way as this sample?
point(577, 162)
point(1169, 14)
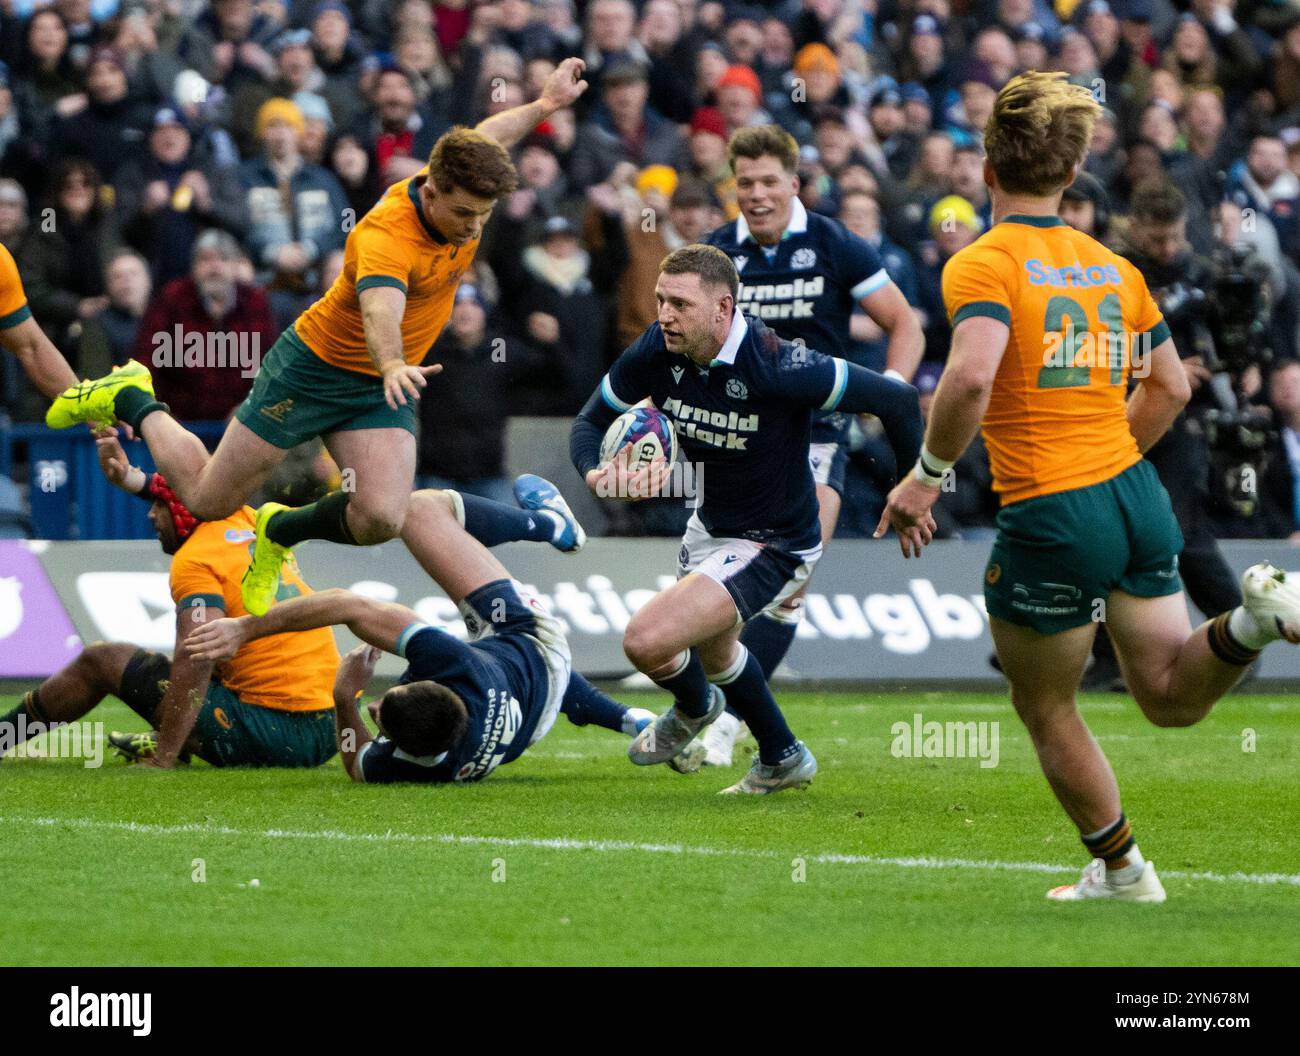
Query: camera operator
point(1179, 280)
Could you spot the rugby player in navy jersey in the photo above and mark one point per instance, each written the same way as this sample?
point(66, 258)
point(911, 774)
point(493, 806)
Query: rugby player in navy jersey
point(461, 709)
point(741, 400)
point(803, 274)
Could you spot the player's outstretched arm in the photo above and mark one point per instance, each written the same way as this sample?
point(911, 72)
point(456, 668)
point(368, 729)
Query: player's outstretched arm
point(380, 623)
point(355, 672)
point(960, 401)
point(38, 357)
point(562, 89)
point(1159, 397)
point(187, 685)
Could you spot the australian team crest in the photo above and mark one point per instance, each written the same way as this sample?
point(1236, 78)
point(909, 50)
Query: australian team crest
point(803, 258)
point(737, 389)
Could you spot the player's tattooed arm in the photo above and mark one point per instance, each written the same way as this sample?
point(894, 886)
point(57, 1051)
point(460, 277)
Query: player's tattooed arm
point(562, 89)
point(380, 623)
point(186, 689)
point(355, 673)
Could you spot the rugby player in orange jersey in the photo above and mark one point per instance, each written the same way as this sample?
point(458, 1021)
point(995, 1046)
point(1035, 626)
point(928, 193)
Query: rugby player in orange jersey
point(271, 704)
point(349, 369)
point(1048, 326)
point(20, 334)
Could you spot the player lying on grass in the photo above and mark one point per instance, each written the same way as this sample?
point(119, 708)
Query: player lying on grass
point(1086, 531)
point(269, 704)
point(754, 538)
point(461, 709)
point(349, 369)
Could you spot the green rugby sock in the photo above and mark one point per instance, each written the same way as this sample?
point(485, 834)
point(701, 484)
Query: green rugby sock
point(325, 518)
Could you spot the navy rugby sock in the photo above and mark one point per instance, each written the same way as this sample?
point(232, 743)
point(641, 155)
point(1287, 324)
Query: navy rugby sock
point(768, 640)
point(494, 523)
point(747, 691)
point(584, 704)
point(689, 686)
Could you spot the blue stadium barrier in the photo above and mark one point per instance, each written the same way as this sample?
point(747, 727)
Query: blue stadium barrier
point(67, 493)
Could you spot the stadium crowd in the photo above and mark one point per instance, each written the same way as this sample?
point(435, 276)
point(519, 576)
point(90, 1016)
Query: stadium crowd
point(176, 166)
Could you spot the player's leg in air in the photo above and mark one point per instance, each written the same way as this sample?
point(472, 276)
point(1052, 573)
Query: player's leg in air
point(212, 485)
point(687, 640)
point(1176, 675)
point(433, 534)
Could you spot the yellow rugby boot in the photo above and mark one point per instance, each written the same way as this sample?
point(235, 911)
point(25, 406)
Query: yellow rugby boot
point(92, 401)
point(262, 579)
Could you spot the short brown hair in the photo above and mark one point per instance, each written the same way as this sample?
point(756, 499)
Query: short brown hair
point(1039, 131)
point(1158, 202)
point(423, 718)
point(473, 162)
point(759, 141)
point(708, 262)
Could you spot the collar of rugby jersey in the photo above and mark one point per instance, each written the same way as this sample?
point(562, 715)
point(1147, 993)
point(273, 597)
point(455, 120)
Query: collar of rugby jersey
point(797, 226)
point(413, 190)
point(739, 328)
point(1034, 221)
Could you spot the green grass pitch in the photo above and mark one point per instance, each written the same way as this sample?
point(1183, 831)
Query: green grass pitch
point(573, 856)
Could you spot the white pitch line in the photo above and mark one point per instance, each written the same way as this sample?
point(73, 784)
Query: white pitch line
point(606, 846)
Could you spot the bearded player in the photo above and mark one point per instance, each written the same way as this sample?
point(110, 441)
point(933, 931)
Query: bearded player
point(742, 402)
point(349, 369)
point(1048, 325)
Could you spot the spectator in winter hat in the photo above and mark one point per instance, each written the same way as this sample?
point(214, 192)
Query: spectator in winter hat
point(739, 98)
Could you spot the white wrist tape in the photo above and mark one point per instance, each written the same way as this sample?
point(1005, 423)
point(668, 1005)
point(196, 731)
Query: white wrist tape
point(931, 470)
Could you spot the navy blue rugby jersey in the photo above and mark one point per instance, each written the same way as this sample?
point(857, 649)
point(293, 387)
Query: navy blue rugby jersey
point(806, 286)
point(502, 679)
point(746, 419)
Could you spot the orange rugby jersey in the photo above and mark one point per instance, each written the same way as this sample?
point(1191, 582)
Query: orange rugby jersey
point(392, 245)
point(1056, 416)
point(13, 301)
point(286, 672)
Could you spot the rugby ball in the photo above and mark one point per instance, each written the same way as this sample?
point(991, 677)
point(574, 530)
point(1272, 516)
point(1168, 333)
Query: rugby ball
point(648, 430)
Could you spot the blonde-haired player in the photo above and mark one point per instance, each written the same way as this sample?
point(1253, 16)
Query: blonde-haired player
point(1048, 325)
